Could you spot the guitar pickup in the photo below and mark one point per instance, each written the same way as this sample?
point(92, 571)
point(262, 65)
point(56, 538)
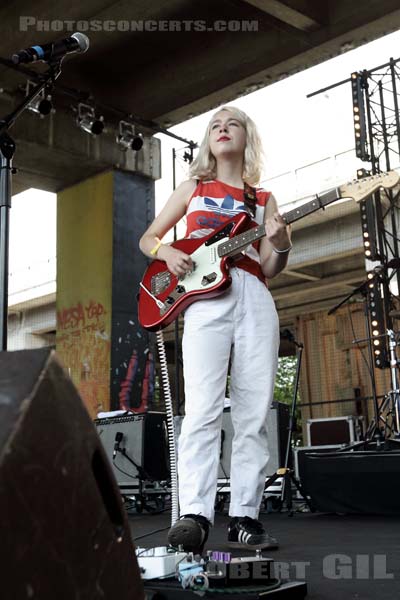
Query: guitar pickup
point(207, 279)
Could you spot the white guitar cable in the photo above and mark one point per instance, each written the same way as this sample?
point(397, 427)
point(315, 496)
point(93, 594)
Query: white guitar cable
point(156, 300)
point(170, 427)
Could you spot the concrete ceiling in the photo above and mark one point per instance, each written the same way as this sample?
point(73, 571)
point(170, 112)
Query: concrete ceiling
point(162, 76)
point(170, 75)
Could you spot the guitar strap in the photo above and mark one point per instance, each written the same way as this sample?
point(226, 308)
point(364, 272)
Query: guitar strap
point(250, 198)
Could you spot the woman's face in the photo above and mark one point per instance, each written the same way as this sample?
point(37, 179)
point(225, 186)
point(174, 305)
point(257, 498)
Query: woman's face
point(227, 135)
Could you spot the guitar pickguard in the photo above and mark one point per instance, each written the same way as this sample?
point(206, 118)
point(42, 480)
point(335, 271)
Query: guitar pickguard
point(206, 274)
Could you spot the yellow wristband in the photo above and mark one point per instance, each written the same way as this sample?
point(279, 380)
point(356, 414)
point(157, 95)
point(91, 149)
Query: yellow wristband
point(154, 250)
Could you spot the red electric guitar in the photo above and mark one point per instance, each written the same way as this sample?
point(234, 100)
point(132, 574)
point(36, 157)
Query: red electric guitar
point(163, 295)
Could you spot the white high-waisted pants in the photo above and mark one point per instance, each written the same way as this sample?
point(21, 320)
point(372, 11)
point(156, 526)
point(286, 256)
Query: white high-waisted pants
point(244, 320)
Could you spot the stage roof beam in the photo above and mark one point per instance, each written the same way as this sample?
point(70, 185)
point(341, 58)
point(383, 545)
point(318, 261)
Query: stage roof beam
point(286, 14)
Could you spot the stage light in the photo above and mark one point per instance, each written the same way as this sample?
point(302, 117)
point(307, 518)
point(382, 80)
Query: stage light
point(360, 130)
point(127, 137)
point(377, 320)
point(88, 121)
point(42, 104)
point(368, 222)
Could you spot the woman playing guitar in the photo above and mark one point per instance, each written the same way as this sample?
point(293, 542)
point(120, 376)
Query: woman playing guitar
point(239, 327)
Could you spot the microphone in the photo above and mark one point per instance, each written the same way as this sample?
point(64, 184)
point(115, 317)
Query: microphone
point(118, 439)
point(78, 42)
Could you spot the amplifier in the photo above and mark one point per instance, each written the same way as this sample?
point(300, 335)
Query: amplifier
point(142, 437)
point(277, 428)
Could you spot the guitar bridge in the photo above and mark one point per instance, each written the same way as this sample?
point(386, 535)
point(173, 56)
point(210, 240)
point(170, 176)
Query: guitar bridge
point(160, 282)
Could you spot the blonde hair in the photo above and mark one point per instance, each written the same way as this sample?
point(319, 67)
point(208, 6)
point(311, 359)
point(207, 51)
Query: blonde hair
point(204, 166)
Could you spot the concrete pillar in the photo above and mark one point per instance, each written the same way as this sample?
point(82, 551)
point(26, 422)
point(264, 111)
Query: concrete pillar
point(99, 266)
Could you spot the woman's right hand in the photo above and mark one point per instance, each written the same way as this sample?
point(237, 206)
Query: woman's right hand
point(178, 263)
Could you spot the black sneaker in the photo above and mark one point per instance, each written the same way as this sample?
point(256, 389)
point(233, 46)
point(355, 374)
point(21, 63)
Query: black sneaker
point(190, 532)
point(249, 534)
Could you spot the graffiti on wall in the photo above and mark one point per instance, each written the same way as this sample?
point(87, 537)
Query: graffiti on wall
point(83, 344)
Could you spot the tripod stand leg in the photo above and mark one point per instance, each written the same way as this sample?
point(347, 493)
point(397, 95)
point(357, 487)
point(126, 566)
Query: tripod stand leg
point(286, 494)
point(301, 491)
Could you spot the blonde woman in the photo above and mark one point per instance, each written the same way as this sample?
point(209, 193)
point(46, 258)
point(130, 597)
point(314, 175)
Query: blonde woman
point(240, 326)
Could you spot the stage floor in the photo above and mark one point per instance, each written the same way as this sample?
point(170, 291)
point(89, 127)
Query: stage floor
point(340, 557)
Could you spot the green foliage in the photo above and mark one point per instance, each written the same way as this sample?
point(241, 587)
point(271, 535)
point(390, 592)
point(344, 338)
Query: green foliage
point(284, 388)
point(284, 381)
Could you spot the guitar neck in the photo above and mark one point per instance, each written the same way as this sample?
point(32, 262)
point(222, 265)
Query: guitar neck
point(239, 242)
point(318, 201)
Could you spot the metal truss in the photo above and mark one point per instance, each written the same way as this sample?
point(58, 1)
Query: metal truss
point(376, 103)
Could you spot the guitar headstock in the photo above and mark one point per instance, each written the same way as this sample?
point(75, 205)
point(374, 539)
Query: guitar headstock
point(359, 189)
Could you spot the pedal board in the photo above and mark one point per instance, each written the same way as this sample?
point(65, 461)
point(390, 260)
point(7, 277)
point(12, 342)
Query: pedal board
point(172, 590)
point(168, 575)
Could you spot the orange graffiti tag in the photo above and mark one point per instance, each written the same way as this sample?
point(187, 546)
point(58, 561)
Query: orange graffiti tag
point(70, 318)
point(95, 310)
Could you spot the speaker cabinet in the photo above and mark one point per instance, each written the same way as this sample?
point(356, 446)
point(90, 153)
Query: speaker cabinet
point(64, 533)
point(139, 439)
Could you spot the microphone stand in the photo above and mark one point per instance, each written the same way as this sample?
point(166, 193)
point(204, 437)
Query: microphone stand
point(7, 151)
point(140, 502)
point(286, 472)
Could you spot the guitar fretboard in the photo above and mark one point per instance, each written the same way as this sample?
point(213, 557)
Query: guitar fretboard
point(241, 241)
point(235, 244)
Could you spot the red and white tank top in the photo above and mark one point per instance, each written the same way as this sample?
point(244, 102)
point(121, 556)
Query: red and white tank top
point(212, 204)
